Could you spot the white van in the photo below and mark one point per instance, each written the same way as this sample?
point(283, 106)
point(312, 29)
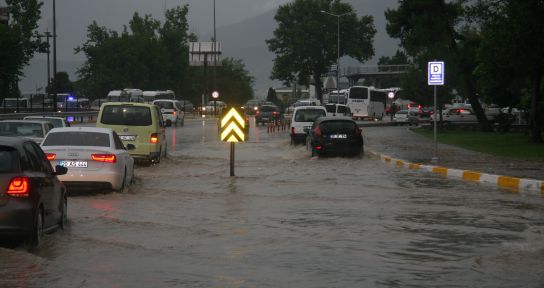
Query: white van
point(172, 111)
point(338, 110)
point(304, 117)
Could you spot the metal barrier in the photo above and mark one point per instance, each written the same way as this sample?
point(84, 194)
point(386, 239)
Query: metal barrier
point(77, 116)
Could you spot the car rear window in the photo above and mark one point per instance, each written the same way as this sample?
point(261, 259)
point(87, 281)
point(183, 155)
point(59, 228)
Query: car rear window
point(8, 159)
point(331, 108)
point(337, 127)
point(268, 108)
point(126, 115)
point(56, 122)
point(21, 129)
point(165, 104)
point(309, 115)
point(78, 138)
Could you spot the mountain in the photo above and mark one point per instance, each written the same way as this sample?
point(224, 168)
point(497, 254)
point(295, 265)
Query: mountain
point(246, 41)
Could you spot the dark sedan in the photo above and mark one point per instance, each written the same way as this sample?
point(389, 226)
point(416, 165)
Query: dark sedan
point(32, 199)
point(335, 135)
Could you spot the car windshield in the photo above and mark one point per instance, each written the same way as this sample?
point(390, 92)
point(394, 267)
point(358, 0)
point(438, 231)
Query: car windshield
point(329, 127)
point(165, 104)
point(308, 115)
point(21, 129)
point(56, 122)
point(126, 115)
point(79, 138)
point(8, 159)
point(268, 108)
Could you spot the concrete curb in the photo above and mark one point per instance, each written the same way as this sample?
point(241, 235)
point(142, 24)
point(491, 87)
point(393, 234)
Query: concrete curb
point(512, 184)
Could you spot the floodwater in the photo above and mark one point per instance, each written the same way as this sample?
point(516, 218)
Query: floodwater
point(285, 220)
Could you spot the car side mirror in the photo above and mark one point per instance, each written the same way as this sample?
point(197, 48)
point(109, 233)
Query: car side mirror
point(130, 147)
point(60, 170)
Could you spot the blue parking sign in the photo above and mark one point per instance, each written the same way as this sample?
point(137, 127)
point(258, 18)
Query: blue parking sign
point(435, 73)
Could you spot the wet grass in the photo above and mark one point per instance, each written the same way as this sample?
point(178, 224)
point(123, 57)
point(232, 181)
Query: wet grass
point(514, 145)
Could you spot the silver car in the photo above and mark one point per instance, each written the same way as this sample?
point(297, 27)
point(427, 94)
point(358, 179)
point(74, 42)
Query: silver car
point(35, 130)
point(95, 157)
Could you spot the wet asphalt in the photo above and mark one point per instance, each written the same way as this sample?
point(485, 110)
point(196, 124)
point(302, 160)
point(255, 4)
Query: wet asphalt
point(285, 220)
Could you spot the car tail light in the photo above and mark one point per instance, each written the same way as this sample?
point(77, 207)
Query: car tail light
point(358, 130)
point(154, 138)
point(19, 187)
point(292, 130)
point(319, 147)
point(275, 113)
point(51, 156)
point(108, 158)
point(317, 131)
point(257, 112)
point(175, 113)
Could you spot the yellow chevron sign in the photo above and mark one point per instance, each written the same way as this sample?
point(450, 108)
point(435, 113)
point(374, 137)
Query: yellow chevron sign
point(232, 127)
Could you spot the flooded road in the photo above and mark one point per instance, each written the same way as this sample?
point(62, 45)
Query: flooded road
point(285, 220)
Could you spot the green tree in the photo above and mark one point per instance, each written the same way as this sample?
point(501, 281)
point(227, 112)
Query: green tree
point(18, 41)
point(430, 30)
point(234, 83)
point(62, 84)
point(512, 55)
point(305, 41)
point(271, 96)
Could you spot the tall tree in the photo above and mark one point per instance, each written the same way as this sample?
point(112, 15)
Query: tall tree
point(18, 41)
point(430, 30)
point(62, 84)
point(512, 54)
point(271, 96)
point(305, 42)
point(234, 83)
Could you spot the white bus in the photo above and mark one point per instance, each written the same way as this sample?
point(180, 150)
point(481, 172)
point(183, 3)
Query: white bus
point(337, 97)
point(366, 102)
point(150, 96)
point(125, 95)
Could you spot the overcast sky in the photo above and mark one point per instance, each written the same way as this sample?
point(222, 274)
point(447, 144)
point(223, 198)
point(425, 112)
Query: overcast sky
point(74, 16)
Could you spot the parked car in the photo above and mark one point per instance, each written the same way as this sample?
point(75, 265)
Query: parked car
point(337, 110)
point(57, 122)
point(406, 117)
point(35, 130)
point(334, 136)
point(457, 115)
point(172, 111)
point(94, 156)
point(32, 198)
point(267, 113)
point(138, 124)
point(303, 117)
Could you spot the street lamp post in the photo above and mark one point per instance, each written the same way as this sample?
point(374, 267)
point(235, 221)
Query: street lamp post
point(338, 49)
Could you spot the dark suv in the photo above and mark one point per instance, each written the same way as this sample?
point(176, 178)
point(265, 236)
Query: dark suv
point(267, 113)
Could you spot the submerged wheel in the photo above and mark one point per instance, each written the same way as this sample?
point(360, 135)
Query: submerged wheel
point(37, 234)
point(63, 221)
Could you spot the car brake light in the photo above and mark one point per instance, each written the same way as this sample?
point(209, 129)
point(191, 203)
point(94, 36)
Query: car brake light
point(175, 113)
point(318, 147)
point(292, 130)
point(108, 158)
point(317, 131)
point(154, 138)
point(19, 187)
point(51, 156)
point(358, 130)
point(275, 113)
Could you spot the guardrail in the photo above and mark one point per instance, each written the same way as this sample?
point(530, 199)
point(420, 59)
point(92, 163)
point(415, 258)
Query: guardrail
point(79, 116)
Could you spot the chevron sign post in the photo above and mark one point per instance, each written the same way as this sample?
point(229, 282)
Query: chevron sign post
point(232, 130)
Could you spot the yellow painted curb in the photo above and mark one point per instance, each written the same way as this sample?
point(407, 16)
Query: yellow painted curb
point(472, 176)
point(400, 163)
point(440, 170)
point(418, 166)
point(508, 182)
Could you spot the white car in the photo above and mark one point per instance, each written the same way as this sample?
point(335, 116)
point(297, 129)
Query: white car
point(457, 115)
point(95, 157)
point(303, 118)
point(58, 122)
point(172, 111)
point(35, 130)
point(337, 110)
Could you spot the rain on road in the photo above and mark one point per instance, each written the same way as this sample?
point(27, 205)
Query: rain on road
point(285, 220)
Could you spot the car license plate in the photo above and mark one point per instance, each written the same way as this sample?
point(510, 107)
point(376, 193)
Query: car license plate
point(127, 137)
point(339, 136)
point(74, 164)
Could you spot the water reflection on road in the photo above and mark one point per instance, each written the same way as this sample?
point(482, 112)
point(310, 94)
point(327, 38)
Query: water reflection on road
point(286, 220)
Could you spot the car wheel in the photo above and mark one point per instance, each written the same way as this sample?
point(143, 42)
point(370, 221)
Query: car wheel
point(64, 214)
point(123, 184)
point(37, 234)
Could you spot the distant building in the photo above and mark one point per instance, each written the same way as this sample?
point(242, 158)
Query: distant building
point(4, 15)
point(288, 95)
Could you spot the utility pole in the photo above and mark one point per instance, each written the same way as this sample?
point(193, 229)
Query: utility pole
point(54, 87)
